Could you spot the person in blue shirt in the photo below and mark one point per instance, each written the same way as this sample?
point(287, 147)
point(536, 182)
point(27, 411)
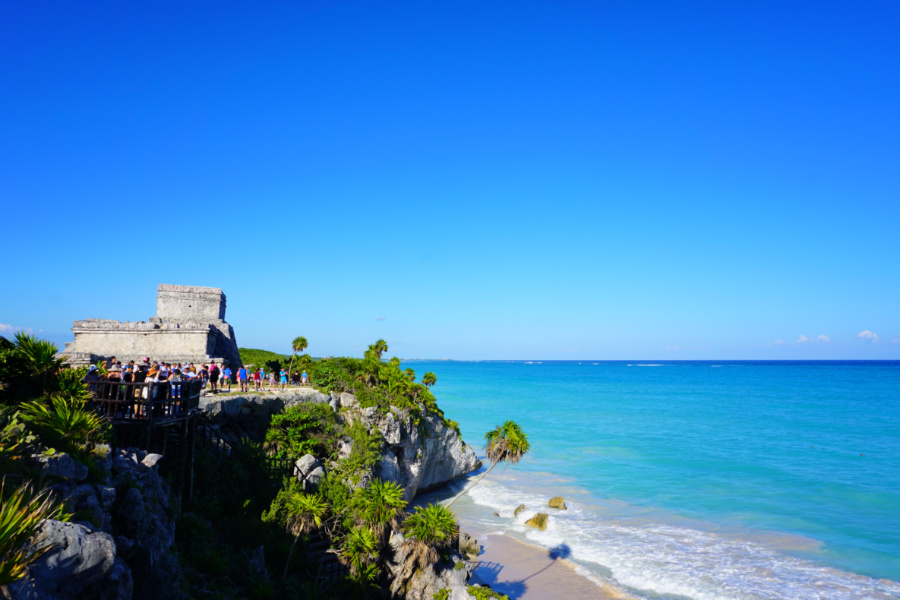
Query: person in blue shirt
point(242, 379)
point(226, 379)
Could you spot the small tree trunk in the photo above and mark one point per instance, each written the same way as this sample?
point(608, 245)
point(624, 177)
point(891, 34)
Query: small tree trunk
point(456, 497)
point(290, 554)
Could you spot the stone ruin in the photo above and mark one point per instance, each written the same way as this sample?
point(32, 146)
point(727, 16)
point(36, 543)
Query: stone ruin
point(189, 326)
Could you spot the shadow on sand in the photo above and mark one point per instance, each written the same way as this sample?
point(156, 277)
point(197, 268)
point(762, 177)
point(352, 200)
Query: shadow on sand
point(490, 573)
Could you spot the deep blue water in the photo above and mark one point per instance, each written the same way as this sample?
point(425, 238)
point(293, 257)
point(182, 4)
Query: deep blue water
point(709, 479)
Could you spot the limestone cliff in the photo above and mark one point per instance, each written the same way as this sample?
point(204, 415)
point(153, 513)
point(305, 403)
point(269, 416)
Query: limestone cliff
point(417, 456)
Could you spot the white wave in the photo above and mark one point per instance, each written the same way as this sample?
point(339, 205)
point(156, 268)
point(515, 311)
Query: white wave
point(646, 365)
point(654, 558)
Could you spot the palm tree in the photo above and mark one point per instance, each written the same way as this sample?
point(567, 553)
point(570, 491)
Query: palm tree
point(427, 531)
point(380, 505)
point(305, 512)
point(360, 551)
point(507, 444)
point(429, 379)
point(298, 345)
point(410, 374)
point(378, 348)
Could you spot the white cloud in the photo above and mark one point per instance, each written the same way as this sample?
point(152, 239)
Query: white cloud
point(775, 343)
point(380, 318)
point(867, 335)
point(802, 339)
point(822, 338)
point(896, 340)
point(4, 328)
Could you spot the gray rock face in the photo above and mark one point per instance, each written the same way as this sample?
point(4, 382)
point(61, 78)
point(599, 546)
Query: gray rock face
point(80, 565)
point(315, 477)
point(424, 584)
point(306, 464)
point(468, 546)
point(348, 401)
point(151, 459)
point(62, 465)
point(420, 462)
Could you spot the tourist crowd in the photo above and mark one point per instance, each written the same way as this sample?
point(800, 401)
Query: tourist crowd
point(214, 377)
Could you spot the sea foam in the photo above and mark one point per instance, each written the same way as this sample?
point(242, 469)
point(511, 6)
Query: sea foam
point(659, 560)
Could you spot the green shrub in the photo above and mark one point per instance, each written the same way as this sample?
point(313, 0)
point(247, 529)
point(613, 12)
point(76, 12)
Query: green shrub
point(302, 429)
point(483, 593)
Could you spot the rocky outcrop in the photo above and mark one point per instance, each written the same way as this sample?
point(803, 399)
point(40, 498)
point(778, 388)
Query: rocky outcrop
point(557, 502)
point(80, 565)
point(423, 584)
point(248, 416)
point(538, 521)
point(309, 472)
point(519, 510)
point(119, 546)
point(419, 454)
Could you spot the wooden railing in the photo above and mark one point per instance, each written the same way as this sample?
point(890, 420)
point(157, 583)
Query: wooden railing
point(147, 402)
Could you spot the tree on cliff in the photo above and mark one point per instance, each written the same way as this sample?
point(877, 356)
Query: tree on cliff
point(298, 345)
point(304, 514)
point(427, 532)
point(507, 444)
point(429, 379)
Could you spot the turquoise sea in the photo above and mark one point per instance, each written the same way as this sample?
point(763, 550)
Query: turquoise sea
point(696, 480)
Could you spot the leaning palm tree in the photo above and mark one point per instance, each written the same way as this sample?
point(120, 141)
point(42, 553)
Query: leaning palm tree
point(378, 349)
point(429, 379)
point(426, 531)
point(305, 512)
point(507, 444)
point(298, 345)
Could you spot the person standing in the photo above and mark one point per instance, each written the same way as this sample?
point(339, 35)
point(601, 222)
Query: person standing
point(214, 378)
point(226, 379)
point(242, 377)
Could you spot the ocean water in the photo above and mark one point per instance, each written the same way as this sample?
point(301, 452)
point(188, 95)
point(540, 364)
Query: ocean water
point(702, 480)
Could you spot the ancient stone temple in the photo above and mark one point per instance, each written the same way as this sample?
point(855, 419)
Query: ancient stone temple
point(189, 326)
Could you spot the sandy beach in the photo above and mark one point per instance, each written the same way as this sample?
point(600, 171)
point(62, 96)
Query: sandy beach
point(524, 571)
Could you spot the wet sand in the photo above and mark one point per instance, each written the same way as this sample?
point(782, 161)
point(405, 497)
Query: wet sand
point(526, 572)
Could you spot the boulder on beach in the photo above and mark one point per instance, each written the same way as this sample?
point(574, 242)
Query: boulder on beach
point(519, 510)
point(538, 521)
point(557, 502)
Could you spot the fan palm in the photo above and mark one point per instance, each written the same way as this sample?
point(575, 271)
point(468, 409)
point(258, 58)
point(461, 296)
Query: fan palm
point(21, 514)
point(65, 419)
point(427, 531)
point(298, 345)
point(304, 514)
point(507, 444)
point(380, 505)
point(429, 379)
point(360, 551)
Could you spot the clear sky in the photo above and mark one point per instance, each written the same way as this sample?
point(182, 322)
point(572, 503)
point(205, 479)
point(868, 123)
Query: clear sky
point(470, 180)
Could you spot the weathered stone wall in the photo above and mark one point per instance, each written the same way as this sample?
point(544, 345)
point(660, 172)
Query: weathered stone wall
point(188, 303)
point(189, 327)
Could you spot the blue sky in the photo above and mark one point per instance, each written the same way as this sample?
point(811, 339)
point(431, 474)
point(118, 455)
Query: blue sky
point(466, 180)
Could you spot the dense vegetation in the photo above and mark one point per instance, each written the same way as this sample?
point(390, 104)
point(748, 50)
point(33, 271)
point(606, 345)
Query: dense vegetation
point(249, 530)
point(43, 411)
